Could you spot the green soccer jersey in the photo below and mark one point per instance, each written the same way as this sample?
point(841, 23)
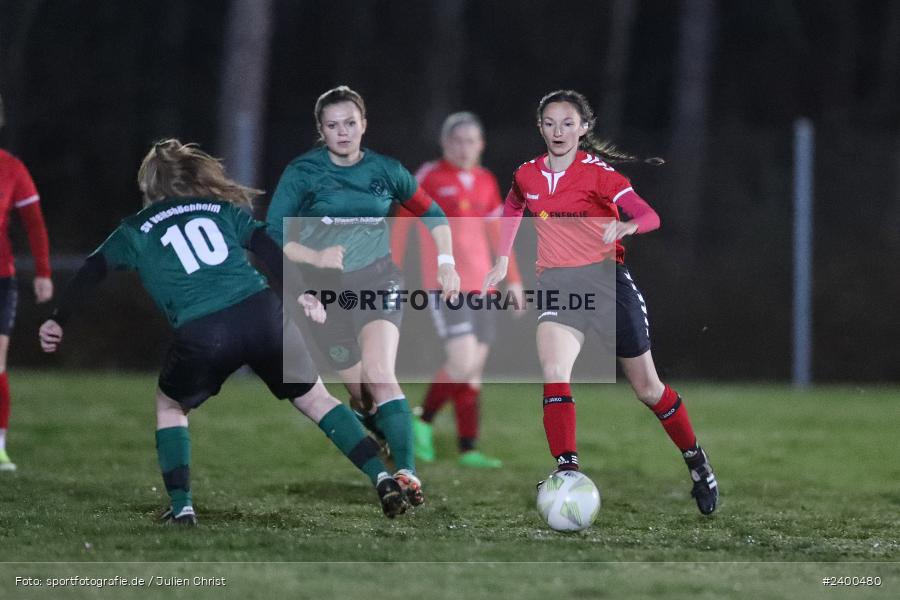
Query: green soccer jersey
point(340, 206)
point(189, 254)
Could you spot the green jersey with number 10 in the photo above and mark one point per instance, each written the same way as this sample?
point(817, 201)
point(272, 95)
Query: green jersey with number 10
point(189, 254)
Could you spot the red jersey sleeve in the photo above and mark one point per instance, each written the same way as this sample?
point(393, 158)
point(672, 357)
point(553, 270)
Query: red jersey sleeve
point(24, 192)
point(612, 185)
point(640, 212)
point(26, 200)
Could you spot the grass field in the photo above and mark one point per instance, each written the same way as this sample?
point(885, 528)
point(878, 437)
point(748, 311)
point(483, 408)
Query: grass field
point(808, 480)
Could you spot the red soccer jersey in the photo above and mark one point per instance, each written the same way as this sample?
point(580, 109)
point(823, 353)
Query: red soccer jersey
point(570, 207)
point(471, 200)
point(17, 191)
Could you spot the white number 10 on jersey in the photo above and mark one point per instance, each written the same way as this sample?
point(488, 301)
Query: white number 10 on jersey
point(204, 241)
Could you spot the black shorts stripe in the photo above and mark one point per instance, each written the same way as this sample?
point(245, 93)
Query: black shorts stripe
point(632, 319)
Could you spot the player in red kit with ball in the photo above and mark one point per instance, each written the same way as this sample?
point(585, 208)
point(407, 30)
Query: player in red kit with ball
point(17, 192)
point(577, 196)
point(470, 197)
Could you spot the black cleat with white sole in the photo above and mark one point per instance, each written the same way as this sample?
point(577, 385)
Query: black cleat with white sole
point(706, 488)
point(393, 499)
point(186, 517)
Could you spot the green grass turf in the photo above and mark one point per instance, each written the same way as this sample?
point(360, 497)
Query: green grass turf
point(806, 477)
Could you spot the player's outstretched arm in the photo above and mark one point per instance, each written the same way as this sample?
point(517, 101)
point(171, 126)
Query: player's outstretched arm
point(92, 272)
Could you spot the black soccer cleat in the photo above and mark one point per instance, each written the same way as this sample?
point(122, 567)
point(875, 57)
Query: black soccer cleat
point(706, 488)
point(393, 500)
point(186, 517)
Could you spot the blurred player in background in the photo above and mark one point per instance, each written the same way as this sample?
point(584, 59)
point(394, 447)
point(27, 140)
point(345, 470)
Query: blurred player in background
point(17, 191)
point(469, 195)
point(187, 245)
point(346, 192)
point(574, 178)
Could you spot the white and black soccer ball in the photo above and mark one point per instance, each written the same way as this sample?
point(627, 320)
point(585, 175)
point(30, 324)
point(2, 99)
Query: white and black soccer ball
point(568, 501)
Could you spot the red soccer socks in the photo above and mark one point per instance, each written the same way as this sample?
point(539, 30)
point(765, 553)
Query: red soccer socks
point(439, 392)
point(465, 405)
point(673, 416)
point(559, 424)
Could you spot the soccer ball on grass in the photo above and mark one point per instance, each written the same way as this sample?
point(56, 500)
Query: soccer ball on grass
point(568, 501)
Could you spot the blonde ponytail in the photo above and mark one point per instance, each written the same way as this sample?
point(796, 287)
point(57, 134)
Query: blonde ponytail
point(175, 170)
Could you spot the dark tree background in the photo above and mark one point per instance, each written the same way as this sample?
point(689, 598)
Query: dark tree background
point(712, 86)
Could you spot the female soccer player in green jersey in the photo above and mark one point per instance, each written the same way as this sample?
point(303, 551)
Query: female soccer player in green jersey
point(188, 247)
point(344, 192)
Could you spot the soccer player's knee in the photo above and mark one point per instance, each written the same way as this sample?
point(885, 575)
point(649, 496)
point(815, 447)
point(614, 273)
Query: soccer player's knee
point(648, 393)
point(556, 371)
point(461, 368)
point(315, 396)
point(377, 375)
point(316, 402)
point(171, 413)
point(171, 419)
point(294, 390)
point(384, 390)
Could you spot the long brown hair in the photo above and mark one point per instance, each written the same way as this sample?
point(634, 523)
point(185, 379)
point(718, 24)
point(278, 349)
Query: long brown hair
point(589, 141)
point(172, 170)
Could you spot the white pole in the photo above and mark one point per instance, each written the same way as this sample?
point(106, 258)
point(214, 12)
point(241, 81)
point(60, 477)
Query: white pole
point(804, 150)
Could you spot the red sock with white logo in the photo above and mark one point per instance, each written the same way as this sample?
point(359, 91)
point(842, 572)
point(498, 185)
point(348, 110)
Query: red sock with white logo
point(673, 416)
point(439, 392)
point(559, 424)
